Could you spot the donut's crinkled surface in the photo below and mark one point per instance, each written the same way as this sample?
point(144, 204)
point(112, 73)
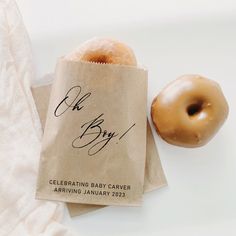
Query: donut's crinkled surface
point(189, 111)
point(104, 50)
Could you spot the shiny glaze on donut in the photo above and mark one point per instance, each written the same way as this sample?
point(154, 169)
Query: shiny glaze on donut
point(189, 111)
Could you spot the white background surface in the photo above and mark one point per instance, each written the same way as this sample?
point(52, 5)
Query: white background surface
point(170, 38)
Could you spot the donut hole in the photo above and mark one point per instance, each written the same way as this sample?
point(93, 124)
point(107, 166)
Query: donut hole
point(98, 59)
point(194, 108)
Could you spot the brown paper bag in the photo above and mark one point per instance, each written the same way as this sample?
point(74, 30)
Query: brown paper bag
point(154, 176)
point(94, 143)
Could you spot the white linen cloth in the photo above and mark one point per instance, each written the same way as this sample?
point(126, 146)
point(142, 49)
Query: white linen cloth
point(20, 134)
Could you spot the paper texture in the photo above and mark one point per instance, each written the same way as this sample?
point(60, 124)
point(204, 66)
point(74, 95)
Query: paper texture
point(154, 175)
point(94, 143)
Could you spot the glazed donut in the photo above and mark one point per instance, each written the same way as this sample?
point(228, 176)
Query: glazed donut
point(104, 50)
point(189, 111)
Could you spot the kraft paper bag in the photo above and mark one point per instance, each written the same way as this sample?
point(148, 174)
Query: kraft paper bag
point(94, 143)
point(154, 176)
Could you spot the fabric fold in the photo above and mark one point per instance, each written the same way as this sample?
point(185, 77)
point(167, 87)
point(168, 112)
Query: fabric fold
point(20, 213)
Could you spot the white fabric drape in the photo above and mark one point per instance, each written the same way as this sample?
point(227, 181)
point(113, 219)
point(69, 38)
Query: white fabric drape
point(20, 135)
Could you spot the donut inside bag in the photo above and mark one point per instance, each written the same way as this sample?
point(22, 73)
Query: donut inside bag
point(94, 144)
point(104, 51)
